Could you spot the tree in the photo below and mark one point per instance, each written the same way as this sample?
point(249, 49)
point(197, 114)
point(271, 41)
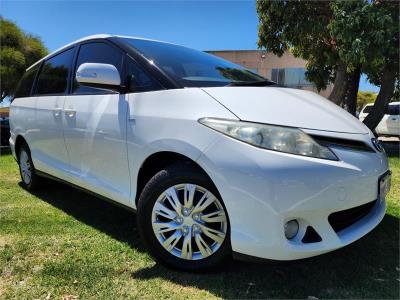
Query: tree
point(340, 40)
point(364, 98)
point(396, 94)
point(18, 51)
point(367, 35)
point(302, 28)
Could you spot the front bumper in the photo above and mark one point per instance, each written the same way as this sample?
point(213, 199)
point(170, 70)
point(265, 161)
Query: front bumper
point(262, 190)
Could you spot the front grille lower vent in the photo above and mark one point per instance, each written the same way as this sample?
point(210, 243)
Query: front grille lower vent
point(345, 218)
point(311, 236)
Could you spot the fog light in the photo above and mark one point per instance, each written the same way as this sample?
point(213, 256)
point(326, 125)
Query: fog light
point(291, 229)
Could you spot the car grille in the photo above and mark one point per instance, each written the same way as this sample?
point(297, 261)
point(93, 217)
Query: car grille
point(343, 143)
point(344, 218)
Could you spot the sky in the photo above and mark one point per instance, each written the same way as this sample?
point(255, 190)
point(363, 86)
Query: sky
point(203, 25)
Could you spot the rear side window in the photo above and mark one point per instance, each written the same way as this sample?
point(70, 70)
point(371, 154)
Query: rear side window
point(96, 53)
point(25, 85)
point(367, 109)
point(53, 76)
point(394, 109)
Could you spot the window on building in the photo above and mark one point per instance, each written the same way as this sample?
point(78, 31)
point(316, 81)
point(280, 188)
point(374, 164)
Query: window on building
point(294, 77)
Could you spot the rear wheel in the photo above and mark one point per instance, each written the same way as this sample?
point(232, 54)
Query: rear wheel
point(182, 219)
point(30, 180)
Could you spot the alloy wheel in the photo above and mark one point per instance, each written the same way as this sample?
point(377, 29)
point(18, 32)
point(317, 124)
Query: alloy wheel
point(189, 221)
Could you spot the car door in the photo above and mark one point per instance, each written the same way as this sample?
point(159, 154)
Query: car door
point(393, 122)
point(364, 112)
point(95, 129)
point(47, 142)
point(22, 109)
point(382, 128)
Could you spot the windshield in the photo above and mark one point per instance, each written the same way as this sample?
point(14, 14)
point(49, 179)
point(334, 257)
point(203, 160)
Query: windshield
point(192, 68)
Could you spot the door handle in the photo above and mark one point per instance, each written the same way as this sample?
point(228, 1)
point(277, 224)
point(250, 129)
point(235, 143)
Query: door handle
point(69, 112)
point(57, 112)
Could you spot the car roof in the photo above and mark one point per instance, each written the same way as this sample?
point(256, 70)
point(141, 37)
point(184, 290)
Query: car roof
point(88, 38)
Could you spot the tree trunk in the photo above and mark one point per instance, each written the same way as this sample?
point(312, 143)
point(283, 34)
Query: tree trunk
point(385, 94)
point(3, 96)
point(339, 87)
point(352, 89)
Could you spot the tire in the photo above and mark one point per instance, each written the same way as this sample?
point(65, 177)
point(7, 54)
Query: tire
point(30, 180)
point(182, 178)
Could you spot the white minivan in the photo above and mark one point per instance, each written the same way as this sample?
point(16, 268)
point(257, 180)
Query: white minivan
point(217, 161)
point(390, 123)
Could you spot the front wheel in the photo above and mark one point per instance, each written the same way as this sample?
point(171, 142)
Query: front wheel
point(183, 221)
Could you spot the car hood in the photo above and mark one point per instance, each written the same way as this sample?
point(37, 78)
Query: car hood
point(287, 107)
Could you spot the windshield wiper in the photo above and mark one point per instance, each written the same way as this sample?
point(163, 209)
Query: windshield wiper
point(252, 83)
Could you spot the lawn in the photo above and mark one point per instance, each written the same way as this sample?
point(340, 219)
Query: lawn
point(61, 242)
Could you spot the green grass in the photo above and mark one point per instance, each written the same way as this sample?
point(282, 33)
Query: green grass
point(60, 241)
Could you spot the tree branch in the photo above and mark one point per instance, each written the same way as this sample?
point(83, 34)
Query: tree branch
point(340, 86)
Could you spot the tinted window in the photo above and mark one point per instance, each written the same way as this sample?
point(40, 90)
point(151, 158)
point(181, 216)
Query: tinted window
point(53, 76)
point(25, 85)
point(367, 109)
point(96, 53)
point(138, 80)
point(392, 109)
point(191, 67)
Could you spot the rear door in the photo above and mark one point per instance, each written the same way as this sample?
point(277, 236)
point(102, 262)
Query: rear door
point(47, 143)
point(95, 129)
point(393, 119)
point(22, 109)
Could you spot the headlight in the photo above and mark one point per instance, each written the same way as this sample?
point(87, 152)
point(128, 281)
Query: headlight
point(271, 137)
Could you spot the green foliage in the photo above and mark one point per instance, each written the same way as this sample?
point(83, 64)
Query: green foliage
point(360, 33)
point(364, 98)
point(302, 27)
point(18, 51)
point(366, 34)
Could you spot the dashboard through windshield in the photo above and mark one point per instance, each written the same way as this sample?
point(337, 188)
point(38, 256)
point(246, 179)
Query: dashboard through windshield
point(192, 68)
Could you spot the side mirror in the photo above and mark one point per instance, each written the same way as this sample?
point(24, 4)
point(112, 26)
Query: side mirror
point(99, 75)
